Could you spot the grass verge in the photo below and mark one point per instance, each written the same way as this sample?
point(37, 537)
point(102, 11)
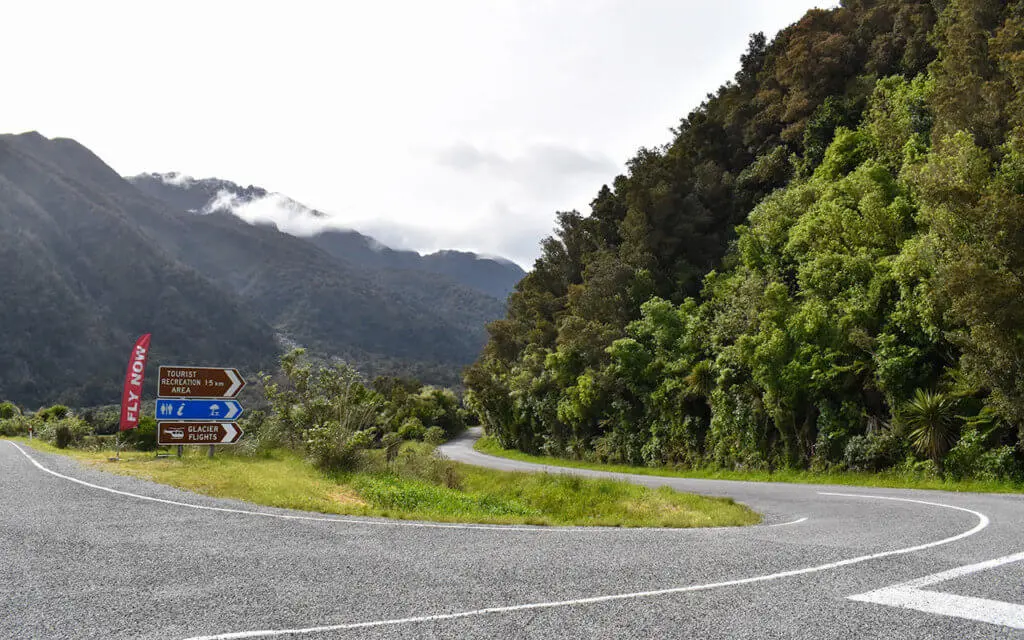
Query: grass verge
point(889, 479)
point(420, 487)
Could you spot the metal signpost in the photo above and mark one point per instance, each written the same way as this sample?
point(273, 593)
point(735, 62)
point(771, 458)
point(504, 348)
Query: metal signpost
point(194, 406)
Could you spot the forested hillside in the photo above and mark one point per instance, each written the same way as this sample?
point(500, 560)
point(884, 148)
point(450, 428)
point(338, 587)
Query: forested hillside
point(824, 268)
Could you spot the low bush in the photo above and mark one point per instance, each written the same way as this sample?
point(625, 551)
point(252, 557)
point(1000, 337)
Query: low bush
point(412, 429)
point(142, 437)
point(971, 457)
point(331, 448)
point(15, 426)
point(64, 432)
point(876, 451)
point(434, 436)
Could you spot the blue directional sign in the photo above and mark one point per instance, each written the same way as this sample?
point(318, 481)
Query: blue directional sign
point(188, 409)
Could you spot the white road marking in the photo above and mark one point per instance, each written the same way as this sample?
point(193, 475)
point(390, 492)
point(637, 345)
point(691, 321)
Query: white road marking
point(911, 595)
point(387, 523)
point(983, 522)
point(786, 524)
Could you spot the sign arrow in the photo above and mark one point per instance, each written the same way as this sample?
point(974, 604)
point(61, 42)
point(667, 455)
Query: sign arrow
point(199, 382)
point(197, 409)
point(172, 433)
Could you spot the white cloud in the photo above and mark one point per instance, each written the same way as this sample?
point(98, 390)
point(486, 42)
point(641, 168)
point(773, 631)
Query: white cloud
point(286, 214)
point(175, 178)
point(396, 114)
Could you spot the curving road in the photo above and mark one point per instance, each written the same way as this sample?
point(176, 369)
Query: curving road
point(84, 554)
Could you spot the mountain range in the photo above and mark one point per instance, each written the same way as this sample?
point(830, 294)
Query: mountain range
point(494, 276)
point(91, 260)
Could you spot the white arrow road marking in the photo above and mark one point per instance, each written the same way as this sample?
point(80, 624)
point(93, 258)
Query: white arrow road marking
point(236, 383)
point(911, 595)
point(230, 430)
point(234, 409)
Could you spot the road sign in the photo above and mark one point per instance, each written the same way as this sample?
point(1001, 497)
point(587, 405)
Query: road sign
point(199, 382)
point(171, 433)
point(196, 409)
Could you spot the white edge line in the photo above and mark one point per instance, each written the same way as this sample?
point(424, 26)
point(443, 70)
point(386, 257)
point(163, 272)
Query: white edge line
point(983, 522)
point(962, 571)
point(786, 524)
point(389, 523)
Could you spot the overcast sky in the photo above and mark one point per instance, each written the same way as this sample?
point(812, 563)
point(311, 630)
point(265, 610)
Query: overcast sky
point(428, 124)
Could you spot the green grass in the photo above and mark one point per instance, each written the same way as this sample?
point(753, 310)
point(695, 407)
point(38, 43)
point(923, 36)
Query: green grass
point(890, 479)
point(420, 487)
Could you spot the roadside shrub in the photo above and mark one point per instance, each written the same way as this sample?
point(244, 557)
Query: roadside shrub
point(412, 429)
point(971, 458)
point(879, 450)
point(365, 439)
point(331, 448)
point(64, 432)
point(142, 437)
point(104, 420)
point(14, 426)
point(93, 443)
point(434, 436)
point(62, 436)
point(421, 462)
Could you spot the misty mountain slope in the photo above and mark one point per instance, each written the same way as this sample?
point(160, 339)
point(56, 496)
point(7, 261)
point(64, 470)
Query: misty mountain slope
point(327, 304)
point(90, 262)
point(324, 303)
point(187, 194)
point(81, 280)
point(494, 277)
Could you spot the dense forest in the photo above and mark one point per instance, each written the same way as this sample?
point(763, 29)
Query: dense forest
point(823, 269)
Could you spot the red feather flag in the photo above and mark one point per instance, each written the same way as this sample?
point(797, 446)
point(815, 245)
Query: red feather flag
point(131, 397)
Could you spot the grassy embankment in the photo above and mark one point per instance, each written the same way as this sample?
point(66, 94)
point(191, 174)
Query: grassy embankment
point(890, 479)
point(418, 487)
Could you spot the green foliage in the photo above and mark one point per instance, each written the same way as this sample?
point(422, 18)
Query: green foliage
point(142, 437)
point(973, 456)
point(56, 412)
point(876, 451)
point(434, 436)
point(933, 424)
point(872, 157)
point(391, 443)
point(323, 408)
point(8, 410)
point(412, 429)
point(63, 432)
point(17, 425)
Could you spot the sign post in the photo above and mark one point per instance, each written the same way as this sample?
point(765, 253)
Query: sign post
point(195, 406)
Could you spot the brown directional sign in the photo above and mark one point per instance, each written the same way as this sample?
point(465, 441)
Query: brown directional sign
point(170, 433)
point(199, 382)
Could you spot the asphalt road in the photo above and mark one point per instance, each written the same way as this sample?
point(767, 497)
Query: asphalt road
point(85, 554)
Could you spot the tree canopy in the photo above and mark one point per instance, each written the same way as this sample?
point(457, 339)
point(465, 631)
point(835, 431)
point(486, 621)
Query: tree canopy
point(832, 236)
